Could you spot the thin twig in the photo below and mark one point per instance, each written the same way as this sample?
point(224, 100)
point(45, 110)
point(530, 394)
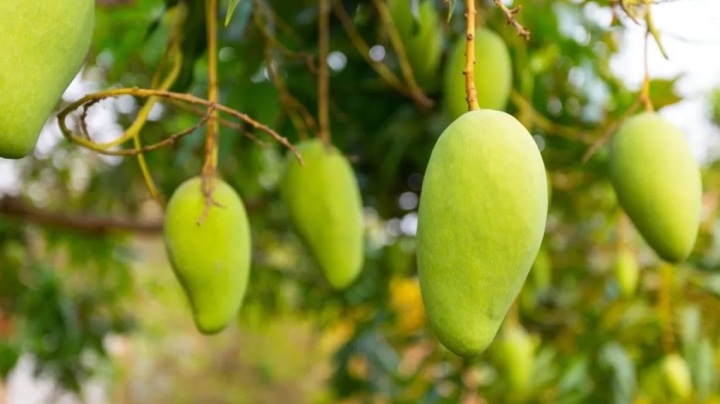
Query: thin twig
point(397, 44)
point(323, 72)
point(550, 127)
point(420, 99)
point(275, 44)
point(610, 131)
point(511, 20)
point(142, 92)
point(224, 122)
point(469, 70)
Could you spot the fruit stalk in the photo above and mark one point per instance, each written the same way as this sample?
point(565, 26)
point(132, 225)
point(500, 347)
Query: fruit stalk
point(469, 71)
point(323, 74)
point(645, 90)
point(211, 152)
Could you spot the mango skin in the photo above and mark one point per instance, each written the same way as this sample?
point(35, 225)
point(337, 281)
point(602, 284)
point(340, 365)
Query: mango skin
point(324, 202)
point(481, 220)
point(493, 74)
point(657, 182)
point(424, 46)
point(44, 44)
point(211, 260)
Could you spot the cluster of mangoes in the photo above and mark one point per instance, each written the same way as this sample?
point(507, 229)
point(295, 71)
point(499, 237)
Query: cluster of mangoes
point(483, 206)
point(208, 238)
point(43, 48)
point(484, 199)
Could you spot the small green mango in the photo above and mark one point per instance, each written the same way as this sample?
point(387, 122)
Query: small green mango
point(212, 259)
point(541, 270)
point(657, 183)
point(44, 44)
point(422, 40)
point(325, 206)
point(481, 220)
point(493, 74)
point(627, 272)
point(514, 352)
point(676, 375)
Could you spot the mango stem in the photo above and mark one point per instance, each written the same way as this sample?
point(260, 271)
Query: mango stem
point(469, 71)
point(211, 137)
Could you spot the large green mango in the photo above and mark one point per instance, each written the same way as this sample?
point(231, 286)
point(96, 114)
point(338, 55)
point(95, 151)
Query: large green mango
point(657, 182)
point(324, 202)
point(481, 220)
point(212, 259)
point(423, 41)
point(493, 74)
point(44, 44)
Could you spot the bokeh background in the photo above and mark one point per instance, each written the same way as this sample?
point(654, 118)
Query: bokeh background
point(90, 312)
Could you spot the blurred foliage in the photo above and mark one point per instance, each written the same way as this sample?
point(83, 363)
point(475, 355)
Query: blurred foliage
point(63, 293)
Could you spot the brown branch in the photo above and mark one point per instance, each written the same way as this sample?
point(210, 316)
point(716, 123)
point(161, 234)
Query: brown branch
point(17, 208)
point(469, 71)
point(511, 20)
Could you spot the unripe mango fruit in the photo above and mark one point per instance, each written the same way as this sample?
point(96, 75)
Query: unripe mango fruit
point(515, 354)
point(423, 42)
point(44, 44)
point(676, 375)
point(657, 183)
point(481, 220)
point(211, 259)
point(627, 271)
point(493, 74)
point(325, 206)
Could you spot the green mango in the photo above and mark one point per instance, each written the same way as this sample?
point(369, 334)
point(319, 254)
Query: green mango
point(514, 352)
point(423, 40)
point(212, 259)
point(481, 220)
point(44, 44)
point(493, 74)
point(657, 182)
point(627, 272)
point(325, 206)
point(542, 270)
point(676, 375)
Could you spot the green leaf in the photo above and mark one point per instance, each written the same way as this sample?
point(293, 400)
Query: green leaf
point(662, 92)
point(616, 358)
point(231, 10)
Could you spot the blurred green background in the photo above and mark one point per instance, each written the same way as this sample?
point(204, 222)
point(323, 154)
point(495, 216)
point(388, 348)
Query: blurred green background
point(87, 301)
